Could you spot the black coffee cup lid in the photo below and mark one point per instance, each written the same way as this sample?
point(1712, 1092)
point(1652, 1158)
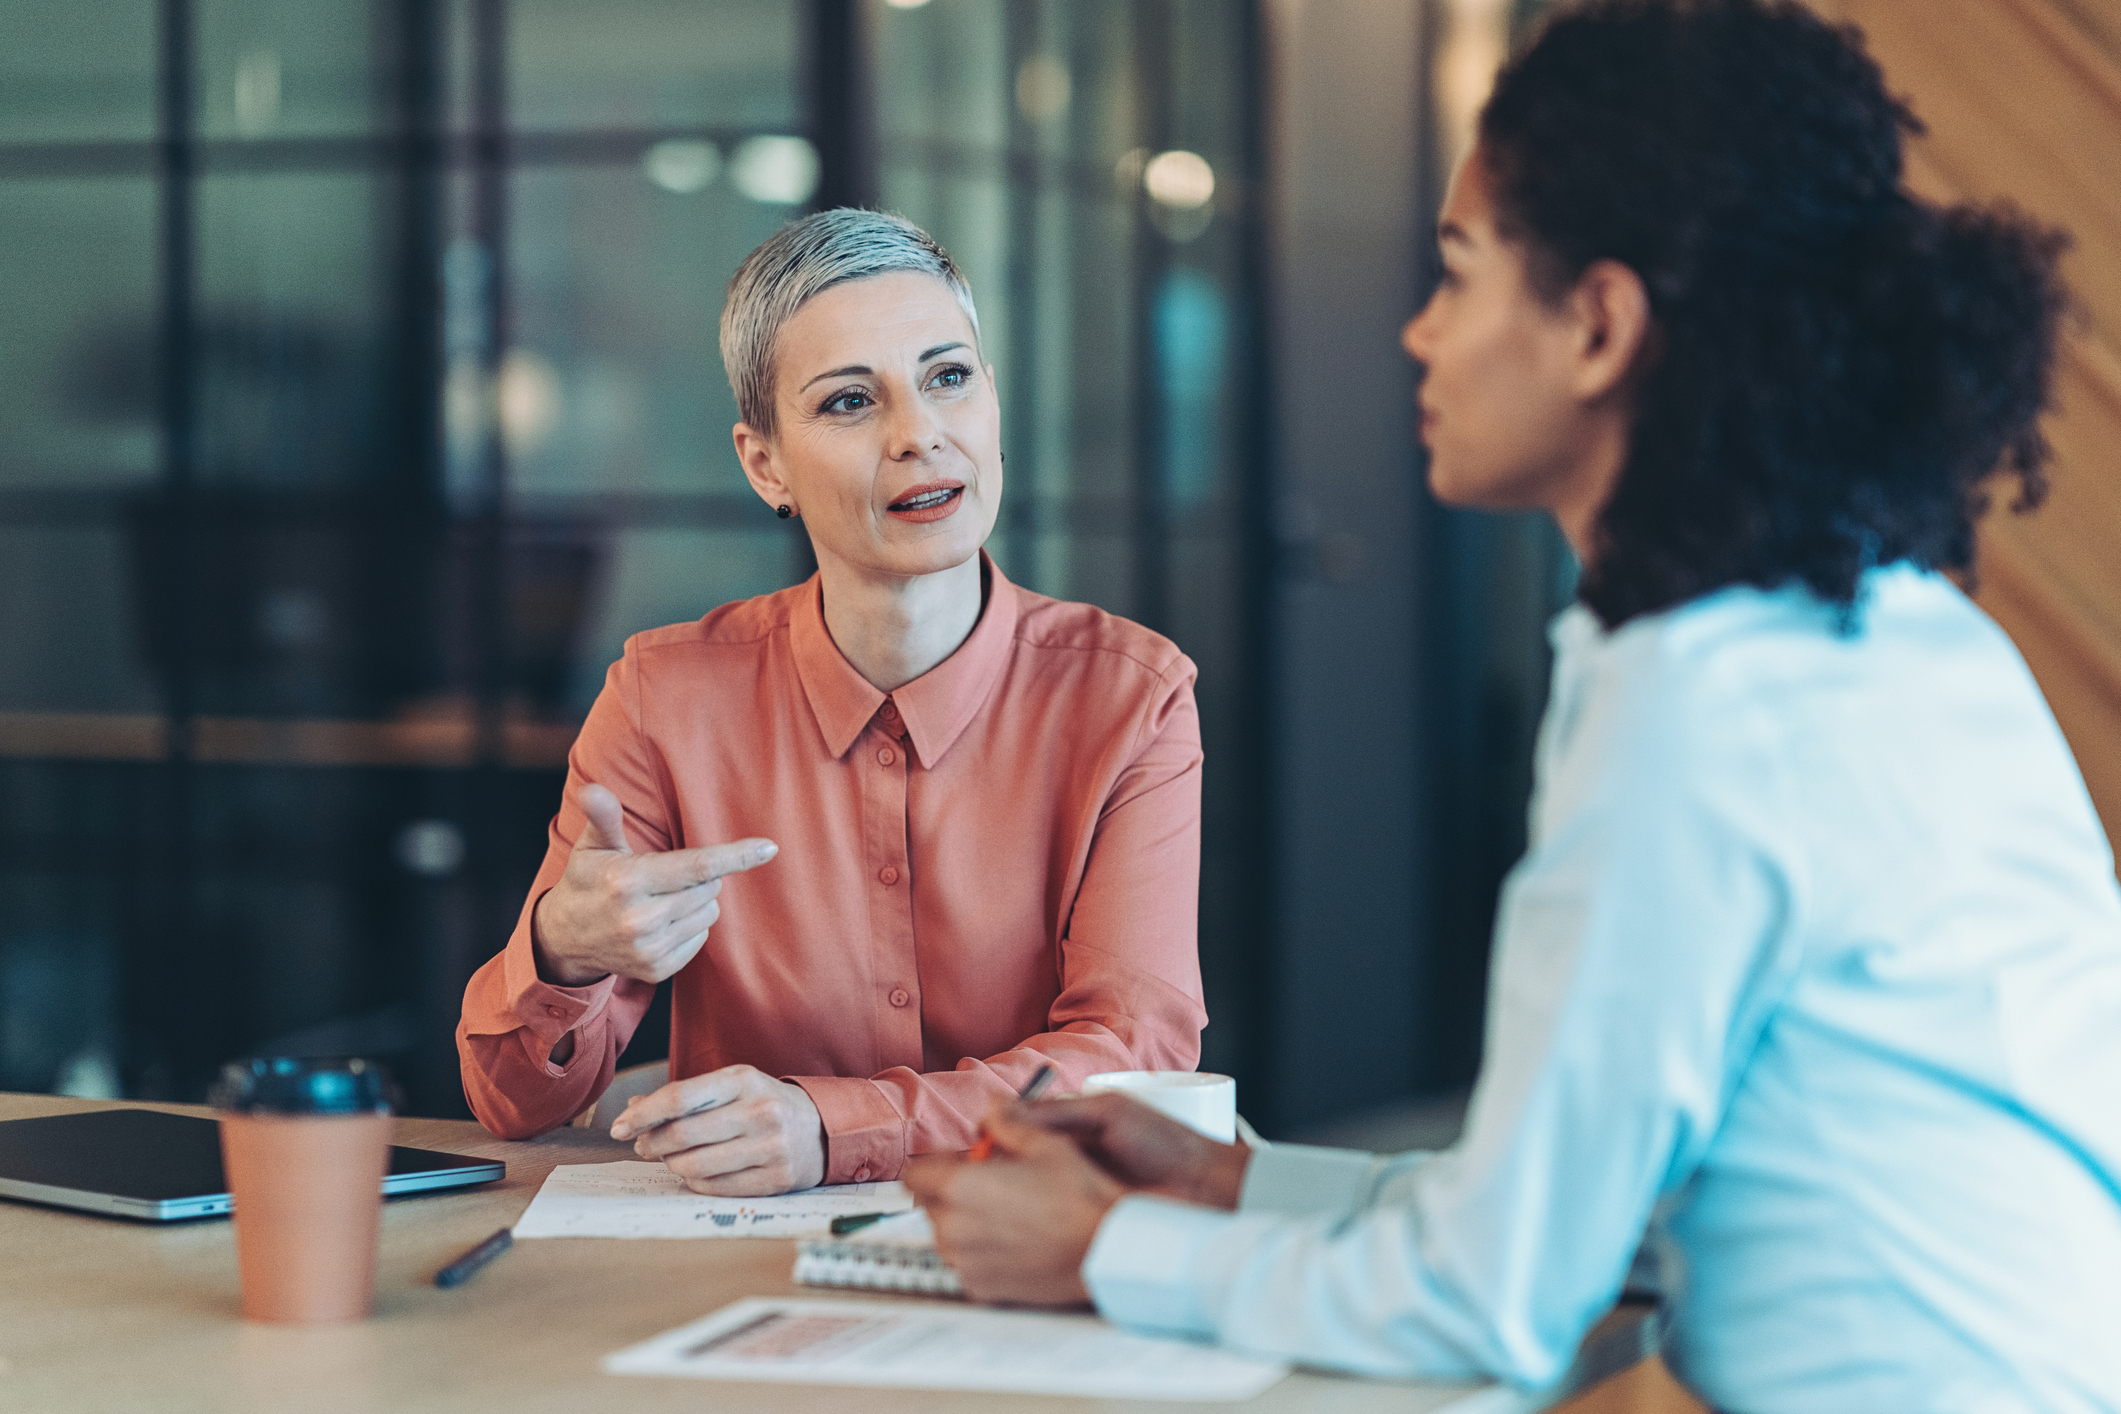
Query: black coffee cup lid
point(300, 1085)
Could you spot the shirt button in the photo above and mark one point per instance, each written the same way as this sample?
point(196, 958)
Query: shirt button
point(861, 1175)
point(890, 710)
point(887, 756)
point(887, 874)
point(900, 996)
point(554, 1011)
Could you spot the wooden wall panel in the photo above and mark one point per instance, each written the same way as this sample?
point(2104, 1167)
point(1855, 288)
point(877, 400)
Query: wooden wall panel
point(2023, 103)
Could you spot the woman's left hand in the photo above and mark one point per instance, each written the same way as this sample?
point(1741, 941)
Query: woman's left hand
point(733, 1133)
point(1016, 1226)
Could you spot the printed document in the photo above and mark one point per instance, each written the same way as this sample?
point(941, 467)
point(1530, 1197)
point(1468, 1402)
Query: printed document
point(937, 1346)
point(632, 1198)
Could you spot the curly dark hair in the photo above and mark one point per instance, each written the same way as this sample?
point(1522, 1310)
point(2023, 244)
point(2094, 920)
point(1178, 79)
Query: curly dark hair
point(1840, 370)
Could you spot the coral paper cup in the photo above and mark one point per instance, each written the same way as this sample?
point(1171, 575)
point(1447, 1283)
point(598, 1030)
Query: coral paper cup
point(305, 1144)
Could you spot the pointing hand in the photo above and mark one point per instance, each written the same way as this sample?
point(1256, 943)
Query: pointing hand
point(636, 915)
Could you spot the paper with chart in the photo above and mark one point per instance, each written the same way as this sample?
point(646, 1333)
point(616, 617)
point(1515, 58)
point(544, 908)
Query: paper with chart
point(938, 1346)
point(631, 1198)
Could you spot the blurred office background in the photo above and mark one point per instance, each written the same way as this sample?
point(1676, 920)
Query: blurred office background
point(359, 395)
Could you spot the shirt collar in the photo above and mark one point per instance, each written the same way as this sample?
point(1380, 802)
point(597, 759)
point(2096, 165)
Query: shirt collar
point(937, 706)
point(1573, 631)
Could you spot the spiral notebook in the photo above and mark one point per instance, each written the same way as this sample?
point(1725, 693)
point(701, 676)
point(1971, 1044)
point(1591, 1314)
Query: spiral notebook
point(896, 1254)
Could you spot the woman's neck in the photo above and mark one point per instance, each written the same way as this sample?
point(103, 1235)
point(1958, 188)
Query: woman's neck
point(894, 630)
point(1577, 500)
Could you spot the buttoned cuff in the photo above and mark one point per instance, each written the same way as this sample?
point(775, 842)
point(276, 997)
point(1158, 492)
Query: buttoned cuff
point(865, 1135)
point(1140, 1267)
point(1302, 1180)
point(547, 1011)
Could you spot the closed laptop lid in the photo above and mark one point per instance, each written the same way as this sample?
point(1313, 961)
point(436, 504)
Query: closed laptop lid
point(148, 1164)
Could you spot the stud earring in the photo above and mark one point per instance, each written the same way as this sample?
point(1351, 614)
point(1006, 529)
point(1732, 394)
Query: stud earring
point(783, 512)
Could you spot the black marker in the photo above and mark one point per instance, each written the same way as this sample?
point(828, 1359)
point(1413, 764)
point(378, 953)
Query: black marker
point(464, 1268)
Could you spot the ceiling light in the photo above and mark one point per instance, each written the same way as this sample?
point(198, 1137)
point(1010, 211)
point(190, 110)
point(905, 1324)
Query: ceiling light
point(1181, 180)
point(1042, 88)
point(682, 165)
point(783, 170)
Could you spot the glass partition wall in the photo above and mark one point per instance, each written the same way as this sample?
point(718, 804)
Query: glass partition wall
point(1093, 166)
point(362, 396)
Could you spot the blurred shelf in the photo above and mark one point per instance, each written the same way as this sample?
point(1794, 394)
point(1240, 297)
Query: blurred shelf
point(448, 741)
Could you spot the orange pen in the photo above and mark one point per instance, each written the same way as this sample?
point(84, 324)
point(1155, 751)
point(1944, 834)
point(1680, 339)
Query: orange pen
point(983, 1148)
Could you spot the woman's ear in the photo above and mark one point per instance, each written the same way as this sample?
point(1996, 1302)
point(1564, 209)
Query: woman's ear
point(755, 451)
point(1612, 312)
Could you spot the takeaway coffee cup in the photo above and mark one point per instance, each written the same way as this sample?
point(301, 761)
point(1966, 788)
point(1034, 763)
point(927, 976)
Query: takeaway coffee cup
point(305, 1144)
point(1202, 1101)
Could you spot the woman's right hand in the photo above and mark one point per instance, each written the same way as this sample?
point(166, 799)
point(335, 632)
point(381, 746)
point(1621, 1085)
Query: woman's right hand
point(1144, 1148)
point(635, 915)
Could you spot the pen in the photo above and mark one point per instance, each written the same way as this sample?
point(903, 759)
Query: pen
point(984, 1149)
point(464, 1268)
point(688, 1114)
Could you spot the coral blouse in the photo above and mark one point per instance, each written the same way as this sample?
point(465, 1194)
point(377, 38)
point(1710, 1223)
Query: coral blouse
point(994, 867)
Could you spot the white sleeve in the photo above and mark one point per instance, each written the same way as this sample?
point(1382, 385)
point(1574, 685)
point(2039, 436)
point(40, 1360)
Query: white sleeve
point(1300, 1180)
point(1639, 948)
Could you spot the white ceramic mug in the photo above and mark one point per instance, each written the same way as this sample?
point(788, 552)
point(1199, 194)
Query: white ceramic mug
point(1194, 1098)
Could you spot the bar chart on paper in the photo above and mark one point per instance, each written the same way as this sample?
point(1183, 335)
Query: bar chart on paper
point(631, 1198)
point(808, 1341)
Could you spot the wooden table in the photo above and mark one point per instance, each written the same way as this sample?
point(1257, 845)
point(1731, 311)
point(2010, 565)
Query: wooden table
point(115, 1317)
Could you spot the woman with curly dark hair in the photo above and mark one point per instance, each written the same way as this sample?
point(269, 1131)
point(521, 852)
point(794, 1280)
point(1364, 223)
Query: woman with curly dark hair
point(1807, 995)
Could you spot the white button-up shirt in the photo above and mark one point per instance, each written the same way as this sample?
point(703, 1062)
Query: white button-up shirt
point(1811, 974)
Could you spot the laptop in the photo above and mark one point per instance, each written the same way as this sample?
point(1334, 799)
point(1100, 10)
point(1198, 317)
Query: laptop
point(163, 1167)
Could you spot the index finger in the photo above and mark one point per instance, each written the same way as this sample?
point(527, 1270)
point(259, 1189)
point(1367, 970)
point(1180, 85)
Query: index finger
point(1017, 1133)
point(1076, 1115)
point(682, 869)
point(926, 1175)
point(675, 1101)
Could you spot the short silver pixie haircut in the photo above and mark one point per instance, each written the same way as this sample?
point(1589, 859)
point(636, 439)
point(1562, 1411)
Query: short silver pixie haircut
point(802, 261)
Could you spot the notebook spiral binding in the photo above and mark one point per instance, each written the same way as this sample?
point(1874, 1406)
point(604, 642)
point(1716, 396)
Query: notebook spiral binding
point(875, 1266)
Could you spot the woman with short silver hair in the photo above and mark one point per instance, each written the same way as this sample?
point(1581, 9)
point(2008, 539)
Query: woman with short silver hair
point(965, 817)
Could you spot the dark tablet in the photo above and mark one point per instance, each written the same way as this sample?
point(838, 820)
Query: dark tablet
point(161, 1167)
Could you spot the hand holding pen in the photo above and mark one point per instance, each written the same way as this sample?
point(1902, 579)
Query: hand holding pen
point(999, 1222)
point(982, 1149)
point(731, 1133)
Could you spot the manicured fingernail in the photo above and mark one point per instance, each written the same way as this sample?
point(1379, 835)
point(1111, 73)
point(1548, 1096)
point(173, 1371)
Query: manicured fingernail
point(768, 850)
